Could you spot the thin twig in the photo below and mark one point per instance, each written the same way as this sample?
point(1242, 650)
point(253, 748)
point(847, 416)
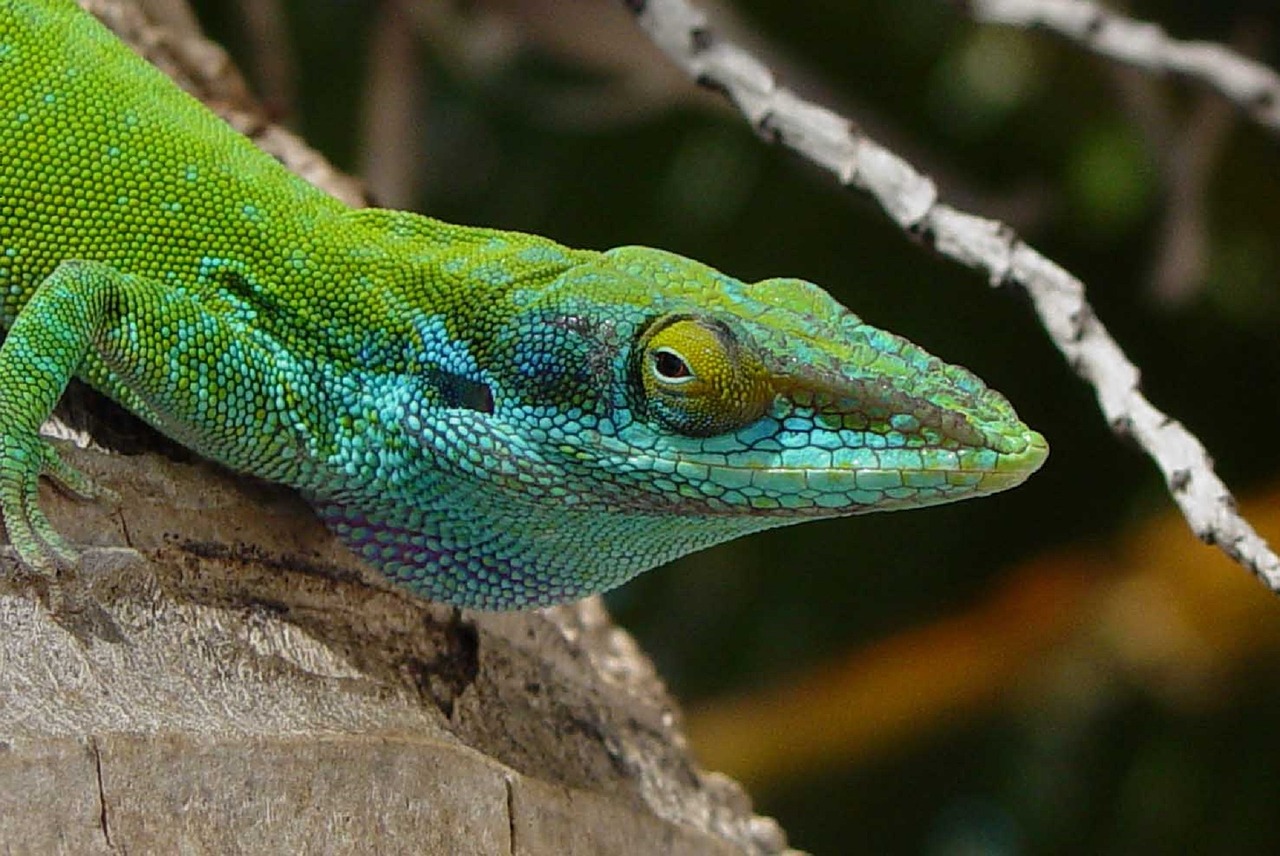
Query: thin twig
point(1254, 87)
point(1187, 149)
point(911, 200)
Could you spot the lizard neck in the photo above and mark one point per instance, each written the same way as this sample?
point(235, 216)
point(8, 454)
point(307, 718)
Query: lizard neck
point(474, 547)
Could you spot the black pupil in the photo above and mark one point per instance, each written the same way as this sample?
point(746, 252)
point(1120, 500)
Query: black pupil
point(670, 366)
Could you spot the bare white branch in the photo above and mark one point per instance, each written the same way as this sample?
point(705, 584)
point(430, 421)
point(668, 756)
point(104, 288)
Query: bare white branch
point(911, 199)
point(1254, 87)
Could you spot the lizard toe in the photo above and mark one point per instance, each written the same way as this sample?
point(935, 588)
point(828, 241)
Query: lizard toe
point(70, 480)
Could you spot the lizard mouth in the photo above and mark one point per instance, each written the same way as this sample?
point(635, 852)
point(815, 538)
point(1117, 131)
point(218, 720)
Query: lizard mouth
point(808, 482)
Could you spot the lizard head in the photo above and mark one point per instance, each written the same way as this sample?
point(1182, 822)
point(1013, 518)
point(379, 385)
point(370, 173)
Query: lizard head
point(620, 409)
point(679, 390)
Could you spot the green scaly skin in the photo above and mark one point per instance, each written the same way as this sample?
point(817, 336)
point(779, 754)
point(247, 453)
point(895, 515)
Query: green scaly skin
point(490, 418)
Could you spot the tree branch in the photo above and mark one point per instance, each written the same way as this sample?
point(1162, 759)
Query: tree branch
point(911, 200)
point(1254, 87)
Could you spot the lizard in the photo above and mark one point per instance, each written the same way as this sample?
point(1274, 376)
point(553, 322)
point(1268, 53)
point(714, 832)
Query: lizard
point(488, 418)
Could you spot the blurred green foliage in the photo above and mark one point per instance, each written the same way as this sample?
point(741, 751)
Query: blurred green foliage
point(1014, 124)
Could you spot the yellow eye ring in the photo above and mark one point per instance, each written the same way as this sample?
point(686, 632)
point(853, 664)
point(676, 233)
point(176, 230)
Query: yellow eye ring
point(699, 379)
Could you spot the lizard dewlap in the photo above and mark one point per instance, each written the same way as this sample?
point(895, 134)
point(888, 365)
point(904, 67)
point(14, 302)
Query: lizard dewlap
point(489, 418)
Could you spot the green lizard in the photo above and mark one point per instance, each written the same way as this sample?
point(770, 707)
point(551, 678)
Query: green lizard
point(489, 418)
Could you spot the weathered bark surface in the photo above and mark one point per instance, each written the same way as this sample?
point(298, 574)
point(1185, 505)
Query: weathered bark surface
point(236, 682)
point(233, 681)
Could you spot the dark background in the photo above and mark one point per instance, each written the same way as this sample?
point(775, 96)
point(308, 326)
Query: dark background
point(1059, 669)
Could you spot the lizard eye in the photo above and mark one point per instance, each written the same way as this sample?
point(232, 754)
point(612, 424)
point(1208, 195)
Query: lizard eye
point(698, 380)
point(670, 366)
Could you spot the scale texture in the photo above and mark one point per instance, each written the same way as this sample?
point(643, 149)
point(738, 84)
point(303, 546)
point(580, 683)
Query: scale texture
point(489, 418)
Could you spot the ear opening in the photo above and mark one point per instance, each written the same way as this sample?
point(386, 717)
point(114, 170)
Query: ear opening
point(461, 391)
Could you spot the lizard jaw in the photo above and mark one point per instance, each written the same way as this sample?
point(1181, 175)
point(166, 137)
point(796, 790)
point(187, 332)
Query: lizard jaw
point(782, 468)
point(857, 480)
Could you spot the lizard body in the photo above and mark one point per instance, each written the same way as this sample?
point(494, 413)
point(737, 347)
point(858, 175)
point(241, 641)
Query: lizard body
point(489, 418)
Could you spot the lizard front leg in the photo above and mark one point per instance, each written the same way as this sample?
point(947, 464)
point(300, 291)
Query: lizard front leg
point(45, 346)
point(153, 348)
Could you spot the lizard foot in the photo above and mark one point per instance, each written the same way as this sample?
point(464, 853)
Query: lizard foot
point(23, 459)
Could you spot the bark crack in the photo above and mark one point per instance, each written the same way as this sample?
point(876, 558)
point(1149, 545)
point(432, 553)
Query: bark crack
point(103, 822)
point(511, 815)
